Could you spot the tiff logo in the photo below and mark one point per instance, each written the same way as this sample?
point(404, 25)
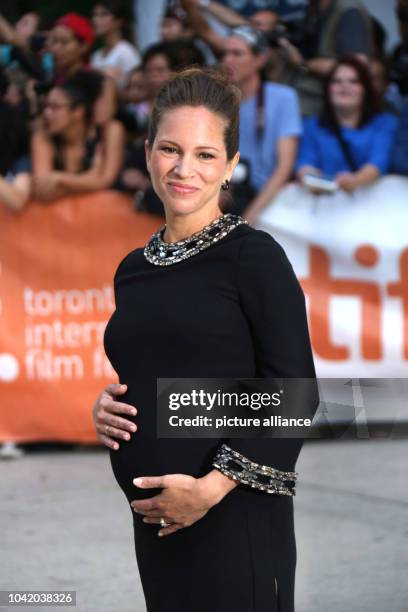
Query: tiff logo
point(320, 287)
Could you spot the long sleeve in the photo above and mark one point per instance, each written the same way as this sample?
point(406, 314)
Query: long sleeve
point(274, 306)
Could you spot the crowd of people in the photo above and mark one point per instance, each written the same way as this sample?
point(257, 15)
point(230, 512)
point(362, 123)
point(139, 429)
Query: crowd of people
point(321, 97)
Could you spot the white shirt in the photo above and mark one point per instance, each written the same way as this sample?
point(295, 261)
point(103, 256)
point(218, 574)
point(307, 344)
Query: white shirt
point(123, 57)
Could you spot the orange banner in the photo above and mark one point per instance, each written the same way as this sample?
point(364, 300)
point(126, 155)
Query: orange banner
point(57, 263)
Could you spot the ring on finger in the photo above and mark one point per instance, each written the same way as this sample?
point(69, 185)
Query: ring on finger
point(107, 430)
point(163, 523)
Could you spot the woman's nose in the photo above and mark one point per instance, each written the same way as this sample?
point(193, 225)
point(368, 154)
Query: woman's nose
point(185, 166)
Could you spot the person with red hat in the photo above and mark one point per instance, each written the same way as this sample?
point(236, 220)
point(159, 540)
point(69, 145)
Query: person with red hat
point(70, 43)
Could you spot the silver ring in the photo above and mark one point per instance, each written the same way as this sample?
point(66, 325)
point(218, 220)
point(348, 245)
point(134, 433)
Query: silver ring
point(107, 429)
point(163, 523)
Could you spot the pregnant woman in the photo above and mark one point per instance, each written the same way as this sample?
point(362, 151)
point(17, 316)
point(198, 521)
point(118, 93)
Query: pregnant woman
point(208, 296)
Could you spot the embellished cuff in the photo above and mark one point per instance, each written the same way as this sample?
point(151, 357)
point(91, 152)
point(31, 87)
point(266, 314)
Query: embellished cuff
point(247, 472)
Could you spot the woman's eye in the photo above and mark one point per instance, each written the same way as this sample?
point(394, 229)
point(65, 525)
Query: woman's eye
point(206, 155)
point(169, 149)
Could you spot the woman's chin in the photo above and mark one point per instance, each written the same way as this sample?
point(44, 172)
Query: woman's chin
point(182, 209)
point(183, 205)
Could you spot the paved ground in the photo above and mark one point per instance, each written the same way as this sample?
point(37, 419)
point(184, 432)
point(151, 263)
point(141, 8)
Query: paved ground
point(66, 525)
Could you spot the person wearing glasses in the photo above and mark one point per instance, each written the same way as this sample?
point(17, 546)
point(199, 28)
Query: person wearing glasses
point(70, 152)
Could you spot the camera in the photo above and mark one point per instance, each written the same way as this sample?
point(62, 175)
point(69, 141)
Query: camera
point(301, 34)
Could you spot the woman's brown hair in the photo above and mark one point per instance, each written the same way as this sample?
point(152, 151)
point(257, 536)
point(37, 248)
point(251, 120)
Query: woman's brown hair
point(200, 87)
point(370, 104)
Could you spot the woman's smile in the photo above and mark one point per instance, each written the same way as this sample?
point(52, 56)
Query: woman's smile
point(181, 188)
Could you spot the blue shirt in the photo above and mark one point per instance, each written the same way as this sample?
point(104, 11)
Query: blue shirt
point(370, 144)
point(281, 119)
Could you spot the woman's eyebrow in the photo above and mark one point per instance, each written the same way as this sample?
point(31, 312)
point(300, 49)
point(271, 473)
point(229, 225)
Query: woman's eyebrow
point(172, 142)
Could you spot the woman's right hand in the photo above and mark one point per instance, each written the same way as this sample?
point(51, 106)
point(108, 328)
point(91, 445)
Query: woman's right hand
point(108, 424)
point(301, 173)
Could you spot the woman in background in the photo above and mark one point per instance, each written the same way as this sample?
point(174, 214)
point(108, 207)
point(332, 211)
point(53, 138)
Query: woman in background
point(351, 141)
point(70, 42)
point(117, 57)
point(70, 152)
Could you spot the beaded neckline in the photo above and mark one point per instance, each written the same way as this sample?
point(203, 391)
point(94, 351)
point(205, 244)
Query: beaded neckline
point(162, 253)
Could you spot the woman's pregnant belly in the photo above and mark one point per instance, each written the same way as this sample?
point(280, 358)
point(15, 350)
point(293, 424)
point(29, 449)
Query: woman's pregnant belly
point(147, 455)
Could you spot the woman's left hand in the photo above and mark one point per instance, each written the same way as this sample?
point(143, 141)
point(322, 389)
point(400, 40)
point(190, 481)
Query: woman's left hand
point(347, 181)
point(183, 501)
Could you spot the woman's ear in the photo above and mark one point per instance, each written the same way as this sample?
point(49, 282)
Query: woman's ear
point(148, 154)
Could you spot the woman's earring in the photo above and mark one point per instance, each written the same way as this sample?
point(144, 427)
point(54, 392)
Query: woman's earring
point(226, 185)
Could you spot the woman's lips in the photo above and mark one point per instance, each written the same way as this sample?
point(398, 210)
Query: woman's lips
point(180, 188)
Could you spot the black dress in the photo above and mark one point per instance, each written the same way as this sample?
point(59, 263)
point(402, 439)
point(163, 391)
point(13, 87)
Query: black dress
point(235, 309)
